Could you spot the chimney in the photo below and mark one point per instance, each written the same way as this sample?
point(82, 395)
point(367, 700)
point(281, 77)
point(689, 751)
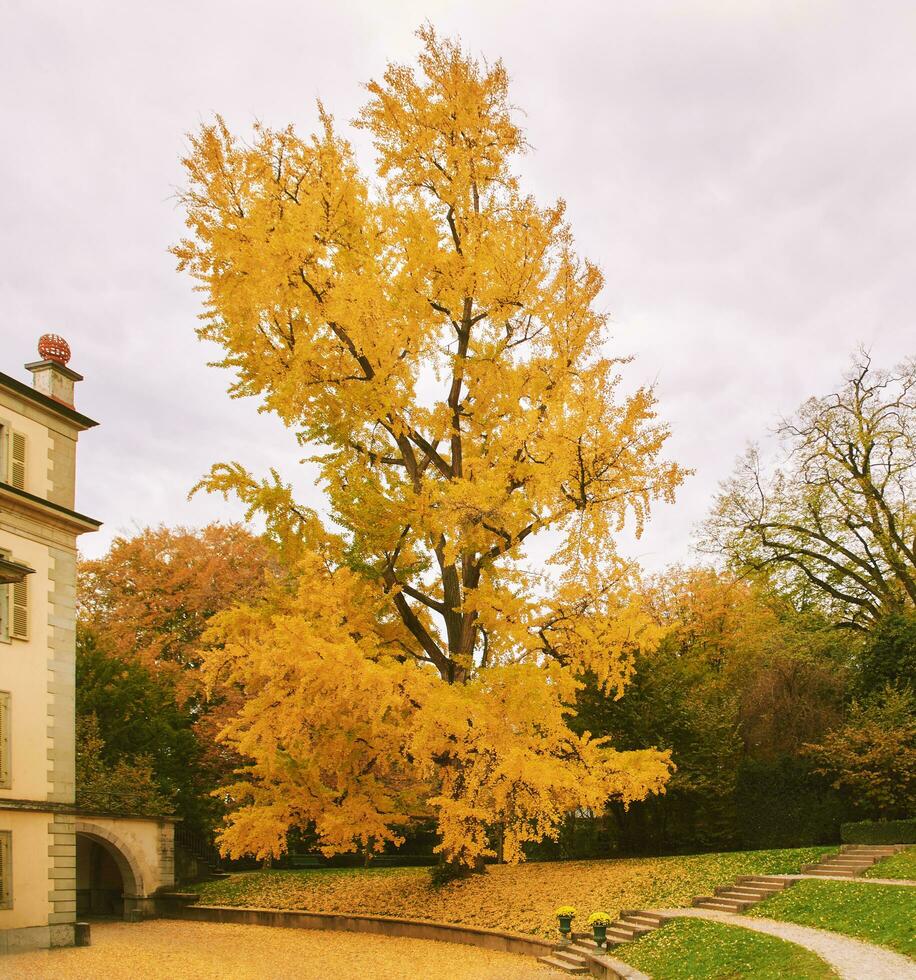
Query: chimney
point(50, 375)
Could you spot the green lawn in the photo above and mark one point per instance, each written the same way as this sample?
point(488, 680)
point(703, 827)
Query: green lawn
point(691, 949)
point(902, 865)
point(518, 899)
point(883, 914)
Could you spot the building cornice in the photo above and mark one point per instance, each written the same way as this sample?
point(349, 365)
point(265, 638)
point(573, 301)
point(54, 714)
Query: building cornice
point(82, 422)
point(46, 510)
point(48, 806)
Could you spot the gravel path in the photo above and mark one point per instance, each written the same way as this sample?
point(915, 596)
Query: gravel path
point(165, 948)
point(851, 958)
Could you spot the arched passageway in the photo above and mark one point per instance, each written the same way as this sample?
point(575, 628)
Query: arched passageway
point(106, 876)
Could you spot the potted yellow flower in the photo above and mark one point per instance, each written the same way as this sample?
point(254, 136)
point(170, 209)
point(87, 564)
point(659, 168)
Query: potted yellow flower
point(599, 921)
point(566, 913)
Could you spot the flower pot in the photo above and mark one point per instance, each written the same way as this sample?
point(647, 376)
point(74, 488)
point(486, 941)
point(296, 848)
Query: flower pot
point(600, 934)
point(565, 925)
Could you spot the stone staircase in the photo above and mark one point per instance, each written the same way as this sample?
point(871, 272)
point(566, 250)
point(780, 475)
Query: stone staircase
point(573, 957)
point(851, 861)
point(199, 859)
point(747, 890)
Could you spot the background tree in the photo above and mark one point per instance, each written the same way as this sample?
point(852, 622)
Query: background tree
point(737, 686)
point(143, 608)
point(872, 756)
point(888, 656)
point(835, 524)
point(434, 334)
point(131, 713)
point(126, 785)
point(151, 596)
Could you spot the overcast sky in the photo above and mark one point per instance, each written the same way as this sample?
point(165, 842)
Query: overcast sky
point(744, 173)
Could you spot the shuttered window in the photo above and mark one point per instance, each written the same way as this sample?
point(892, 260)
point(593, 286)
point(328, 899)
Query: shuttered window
point(6, 869)
point(16, 468)
point(5, 776)
point(19, 610)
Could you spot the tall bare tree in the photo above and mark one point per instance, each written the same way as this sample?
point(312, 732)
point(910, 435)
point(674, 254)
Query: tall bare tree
point(834, 522)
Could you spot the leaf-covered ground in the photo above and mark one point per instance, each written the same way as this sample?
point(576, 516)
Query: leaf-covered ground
point(518, 899)
point(883, 914)
point(691, 949)
point(902, 865)
point(167, 950)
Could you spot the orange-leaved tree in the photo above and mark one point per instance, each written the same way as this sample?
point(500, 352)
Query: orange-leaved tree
point(434, 335)
point(146, 604)
point(150, 597)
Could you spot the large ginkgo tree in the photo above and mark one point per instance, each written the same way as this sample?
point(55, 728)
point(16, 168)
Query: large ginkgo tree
point(431, 333)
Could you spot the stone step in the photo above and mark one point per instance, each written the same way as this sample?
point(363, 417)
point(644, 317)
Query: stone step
point(759, 891)
point(556, 964)
point(742, 895)
point(567, 955)
point(640, 919)
point(585, 947)
point(723, 904)
point(808, 868)
point(635, 928)
point(650, 917)
point(833, 867)
point(617, 935)
point(777, 884)
point(746, 886)
point(872, 848)
point(828, 873)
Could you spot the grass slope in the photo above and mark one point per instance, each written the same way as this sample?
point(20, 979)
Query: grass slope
point(518, 899)
point(691, 949)
point(883, 914)
point(902, 865)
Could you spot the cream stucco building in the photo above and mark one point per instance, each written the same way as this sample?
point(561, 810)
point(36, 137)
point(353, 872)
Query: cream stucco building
point(57, 860)
point(39, 527)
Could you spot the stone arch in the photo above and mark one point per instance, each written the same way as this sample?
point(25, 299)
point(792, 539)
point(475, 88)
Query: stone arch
point(131, 875)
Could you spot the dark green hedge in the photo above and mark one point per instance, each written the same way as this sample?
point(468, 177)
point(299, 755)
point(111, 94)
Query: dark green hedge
point(782, 804)
point(879, 832)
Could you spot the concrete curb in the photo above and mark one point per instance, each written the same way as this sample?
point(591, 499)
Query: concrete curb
point(603, 967)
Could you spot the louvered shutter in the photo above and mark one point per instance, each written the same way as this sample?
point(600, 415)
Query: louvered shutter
point(17, 460)
point(19, 610)
point(6, 870)
point(4, 740)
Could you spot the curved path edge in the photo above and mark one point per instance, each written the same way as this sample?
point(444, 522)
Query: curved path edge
point(603, 967)
point(852, 959)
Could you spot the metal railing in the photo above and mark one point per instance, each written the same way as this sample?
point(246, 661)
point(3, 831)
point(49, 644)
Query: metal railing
point(198, 845)
point(121, 804)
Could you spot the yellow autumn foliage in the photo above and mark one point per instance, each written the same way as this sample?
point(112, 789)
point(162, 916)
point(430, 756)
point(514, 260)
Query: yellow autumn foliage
point(433, 335)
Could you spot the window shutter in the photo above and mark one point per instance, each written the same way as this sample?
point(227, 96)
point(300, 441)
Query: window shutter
point(6, 870)
point(17, 460)
point(19, 611)
point(4, 740)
